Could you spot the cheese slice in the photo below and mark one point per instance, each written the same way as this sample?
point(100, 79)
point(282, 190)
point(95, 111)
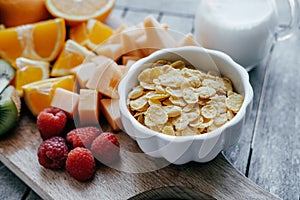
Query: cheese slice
point(110, 109)
point(84, 72)
point(132, 59)
point(113, 51)
point(106, 77)
point(128, 40)
point(188, 40)
point(103, 62)
point(156, 36)
point(65, 100)
point(88, 107)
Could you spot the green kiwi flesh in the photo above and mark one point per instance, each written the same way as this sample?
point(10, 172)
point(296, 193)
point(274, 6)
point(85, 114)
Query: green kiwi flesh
point(9, 109)
point(7, 73)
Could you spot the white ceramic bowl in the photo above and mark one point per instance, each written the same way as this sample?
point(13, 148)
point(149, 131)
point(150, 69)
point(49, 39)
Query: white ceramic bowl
point(182, 149)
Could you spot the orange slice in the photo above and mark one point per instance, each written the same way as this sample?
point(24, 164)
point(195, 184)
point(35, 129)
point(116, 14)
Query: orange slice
point(38, 95)
point(74, 11)
point(29, 71)
point(91, 33)
point(19, 12)
point(72, 55)
point(39, 41)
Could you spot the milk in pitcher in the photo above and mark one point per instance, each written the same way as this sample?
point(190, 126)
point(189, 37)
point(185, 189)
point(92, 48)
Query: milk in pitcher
point(244, 29)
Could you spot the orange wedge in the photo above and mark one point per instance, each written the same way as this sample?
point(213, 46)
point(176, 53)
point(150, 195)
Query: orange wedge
point(19, 12)
point(74, 11)
point(91, 33)
point(72, 55)
point(39, 41)
point(29, 71)
point(38, 95)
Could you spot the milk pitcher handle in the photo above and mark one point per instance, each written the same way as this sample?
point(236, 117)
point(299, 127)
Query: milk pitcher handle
point(288, 31)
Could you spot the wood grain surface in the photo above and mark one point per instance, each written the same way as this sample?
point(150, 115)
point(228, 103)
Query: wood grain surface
point(131, 177)
point(268, 151)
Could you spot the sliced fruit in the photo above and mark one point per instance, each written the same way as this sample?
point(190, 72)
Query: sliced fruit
point(29, 71)
point(72, 55)
point(80, 10)
point(10, 106)
point(91, 33)
point(7, 73)
point(19, 12)
point(39, 41)
point(38, 95)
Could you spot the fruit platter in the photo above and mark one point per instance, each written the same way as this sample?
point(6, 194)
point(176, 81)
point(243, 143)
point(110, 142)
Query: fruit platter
point(60, 125)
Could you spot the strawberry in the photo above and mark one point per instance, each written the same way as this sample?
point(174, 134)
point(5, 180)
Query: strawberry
point(81, 164)
point(82, 137)
point(53, 152)
point(106, 148)
point(51, 122)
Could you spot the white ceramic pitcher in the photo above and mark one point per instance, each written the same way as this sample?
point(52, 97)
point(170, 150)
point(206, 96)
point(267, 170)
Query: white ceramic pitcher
point(244, 29)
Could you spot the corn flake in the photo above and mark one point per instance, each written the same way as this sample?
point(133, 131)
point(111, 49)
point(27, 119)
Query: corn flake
point(190, 96)
point(205, 92)
point(168, 130)
point(138, 104)
point(173, 111)
point(136, 92)
point(157, 114)
point(234, 101)
point(209, 112)
point(174, 92)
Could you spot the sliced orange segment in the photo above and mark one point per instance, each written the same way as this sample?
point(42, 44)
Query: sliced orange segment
point(72, 55)
point(38, 95)
point(19, 12)
point(39, 41)
point(29, 71)
point(91, 33)
point(74, 11)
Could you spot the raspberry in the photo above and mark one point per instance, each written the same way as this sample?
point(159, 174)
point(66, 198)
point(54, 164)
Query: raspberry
point(51, 122)
point(81, 164)
point(106, 148)
point(82, 137)
point(53, 152)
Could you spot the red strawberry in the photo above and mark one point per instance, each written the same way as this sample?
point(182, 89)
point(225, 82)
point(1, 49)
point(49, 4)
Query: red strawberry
point(51, 122)
point(52, 153)
point(106, 148)
point(81, 164)
point(83, 137)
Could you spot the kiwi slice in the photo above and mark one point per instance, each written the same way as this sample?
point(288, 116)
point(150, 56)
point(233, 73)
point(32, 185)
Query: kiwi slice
point(7, 73)
point(10, 106)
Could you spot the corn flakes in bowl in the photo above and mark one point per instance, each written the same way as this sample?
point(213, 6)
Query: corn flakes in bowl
point(185, 104)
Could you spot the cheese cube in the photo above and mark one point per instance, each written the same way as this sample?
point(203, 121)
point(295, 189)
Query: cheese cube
point(106, 78)
point(188, 40)
point(113, 51)
point(110, 109)
point(88, 108)
point(129, 43)
point(125, 59)
point(65, 100)
point(156, 37)
point(103, 62)
point(84, 72)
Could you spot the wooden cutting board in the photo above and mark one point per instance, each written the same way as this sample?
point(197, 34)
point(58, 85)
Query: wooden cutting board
point(217, 179)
